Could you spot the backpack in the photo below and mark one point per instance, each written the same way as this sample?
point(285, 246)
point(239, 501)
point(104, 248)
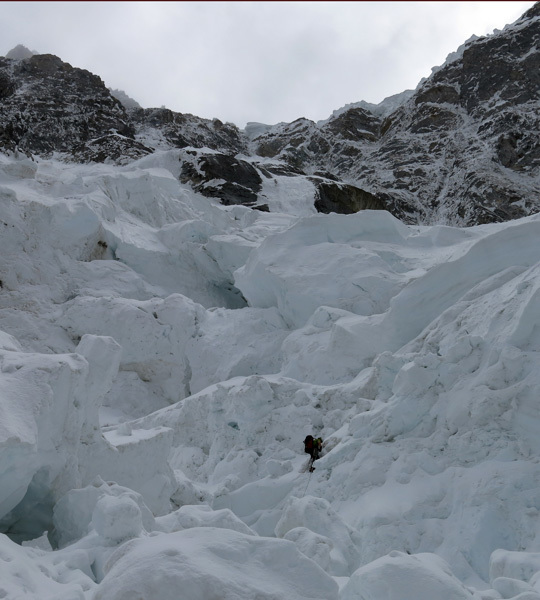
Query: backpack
point(312, 445)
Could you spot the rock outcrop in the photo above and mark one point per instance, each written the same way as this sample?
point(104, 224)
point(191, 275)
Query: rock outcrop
point(49, 106)
point(343, 198)
point(223, 176)
point(166, 128)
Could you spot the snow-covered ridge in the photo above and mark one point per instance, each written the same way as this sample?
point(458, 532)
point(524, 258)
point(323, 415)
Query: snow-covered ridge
point(382, 109)
point(163, 356)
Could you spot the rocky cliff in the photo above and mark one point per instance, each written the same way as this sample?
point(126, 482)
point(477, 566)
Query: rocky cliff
point(462, 149)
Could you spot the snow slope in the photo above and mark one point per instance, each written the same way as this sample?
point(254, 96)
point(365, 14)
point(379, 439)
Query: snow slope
point(163, 356)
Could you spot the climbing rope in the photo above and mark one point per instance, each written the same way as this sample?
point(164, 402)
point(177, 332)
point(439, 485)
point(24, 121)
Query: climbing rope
point(309, 479)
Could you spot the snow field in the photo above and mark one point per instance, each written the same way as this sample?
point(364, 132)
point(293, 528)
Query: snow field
point(162, 358)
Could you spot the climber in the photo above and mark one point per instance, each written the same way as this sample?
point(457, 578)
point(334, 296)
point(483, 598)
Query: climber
point(312, 446)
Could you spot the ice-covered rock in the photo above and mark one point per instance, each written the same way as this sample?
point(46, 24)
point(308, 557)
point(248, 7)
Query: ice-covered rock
point(276, 468)
point(316, 547)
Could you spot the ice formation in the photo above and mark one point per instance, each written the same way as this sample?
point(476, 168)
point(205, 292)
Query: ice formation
point(163, 356)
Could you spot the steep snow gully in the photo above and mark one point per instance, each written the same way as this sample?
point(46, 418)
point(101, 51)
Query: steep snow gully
point(163, 356)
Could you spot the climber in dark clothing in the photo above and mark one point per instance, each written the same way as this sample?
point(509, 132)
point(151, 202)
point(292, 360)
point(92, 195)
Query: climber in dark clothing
point(312, 446)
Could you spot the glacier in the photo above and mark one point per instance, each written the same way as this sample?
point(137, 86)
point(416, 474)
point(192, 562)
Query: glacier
point(162, 357)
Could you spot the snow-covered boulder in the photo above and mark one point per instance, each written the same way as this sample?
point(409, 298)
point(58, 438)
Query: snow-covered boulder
point(513, 588)
point(316, 515)
point(314, 546)
point(189, 516)
point(117, 518)
point(34, 574)
point(399, 576)
point(506, 564)
point(74, 515)
point(213, 563)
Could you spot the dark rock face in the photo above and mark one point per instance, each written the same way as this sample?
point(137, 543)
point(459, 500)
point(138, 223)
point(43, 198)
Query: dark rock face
point(477, 118)
point(344, 198)
point(7, 85)
point(288, 142)
point(355, 124)
point(48, 106)
point(113, 147)
point(223, 176)
point(182, 130)
point(463, 150)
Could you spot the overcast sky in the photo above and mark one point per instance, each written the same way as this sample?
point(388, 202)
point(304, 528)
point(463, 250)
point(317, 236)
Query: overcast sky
point(253, 61)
